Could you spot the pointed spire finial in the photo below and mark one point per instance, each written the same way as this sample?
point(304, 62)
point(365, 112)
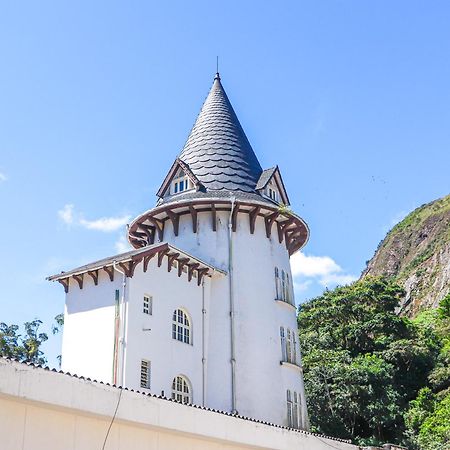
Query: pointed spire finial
point(217, 77)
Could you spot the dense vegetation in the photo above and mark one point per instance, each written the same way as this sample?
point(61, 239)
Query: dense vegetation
point(373, 376)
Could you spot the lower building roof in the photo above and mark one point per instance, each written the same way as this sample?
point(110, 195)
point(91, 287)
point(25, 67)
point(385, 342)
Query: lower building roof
point(129, 260)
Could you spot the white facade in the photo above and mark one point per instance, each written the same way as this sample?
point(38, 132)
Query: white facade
point(261, 381)
point(225, 221)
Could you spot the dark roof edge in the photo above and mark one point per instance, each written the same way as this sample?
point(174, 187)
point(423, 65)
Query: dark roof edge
point(126, 257)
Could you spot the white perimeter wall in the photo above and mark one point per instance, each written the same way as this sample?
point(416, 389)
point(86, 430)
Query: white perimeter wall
point(42, 410)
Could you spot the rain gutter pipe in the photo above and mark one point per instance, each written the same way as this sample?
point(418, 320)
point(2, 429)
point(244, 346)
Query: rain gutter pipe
point(122, 312)
point(231, 293)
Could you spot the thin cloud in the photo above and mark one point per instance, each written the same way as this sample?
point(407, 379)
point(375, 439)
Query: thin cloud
point(3, 177)
point(303, 286)
point(105, 224)
point(313, 266)
point(122, 245)
point(308, 270)
point(66, 214)
point(335, 279)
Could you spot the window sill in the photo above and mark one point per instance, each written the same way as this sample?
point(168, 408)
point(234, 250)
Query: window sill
point(285, 303)
point(189, 344)
point(276, 202)
point(181, 192)
point(292, 365)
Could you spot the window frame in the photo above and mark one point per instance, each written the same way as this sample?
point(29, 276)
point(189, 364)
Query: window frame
point(145, 374)
point(288, 346)
point(294, 409)
point(181, 389)
point(180, 183)
point(289, 405)
point(283, 287)
point(147, 309)
point(182, 330)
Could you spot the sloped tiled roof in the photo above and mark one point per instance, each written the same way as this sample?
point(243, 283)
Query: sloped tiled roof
point(265, 177)
point(217, 150)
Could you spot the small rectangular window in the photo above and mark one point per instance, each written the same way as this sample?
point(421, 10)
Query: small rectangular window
point(145, 374)
point(289, 409)
point(147, 306)
point(283, 345)
point(295, 411)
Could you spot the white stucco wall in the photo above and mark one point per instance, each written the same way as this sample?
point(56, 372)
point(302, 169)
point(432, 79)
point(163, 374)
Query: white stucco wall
point(41, 410)
point(168, 357)
point(88, 334)
point(257, 316)
point(261, 381)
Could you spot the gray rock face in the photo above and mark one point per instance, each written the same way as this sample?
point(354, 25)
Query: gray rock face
point(416, 252)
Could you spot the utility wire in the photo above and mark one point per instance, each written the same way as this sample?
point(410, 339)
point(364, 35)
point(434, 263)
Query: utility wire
point(113, 418)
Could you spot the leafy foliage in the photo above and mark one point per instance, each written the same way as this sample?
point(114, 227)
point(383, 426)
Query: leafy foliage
point(428, 417)
point(24, 347)
point(363, 363)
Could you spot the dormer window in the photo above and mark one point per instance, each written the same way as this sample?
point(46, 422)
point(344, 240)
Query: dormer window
point(272, 192)
point(181, 183)
point(270, 185)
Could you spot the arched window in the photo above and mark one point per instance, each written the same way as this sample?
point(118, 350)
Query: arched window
point(272, 192)
point(181, 389)
point(181, 326)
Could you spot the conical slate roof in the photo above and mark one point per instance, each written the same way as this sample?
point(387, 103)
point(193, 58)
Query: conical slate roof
point(217, 150)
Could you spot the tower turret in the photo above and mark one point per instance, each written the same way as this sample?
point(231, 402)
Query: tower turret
point(217, 203)
point(202, 309)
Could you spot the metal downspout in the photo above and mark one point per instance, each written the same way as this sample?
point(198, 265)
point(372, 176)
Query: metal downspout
point(123, 313)
point(231, 292)
point(203, 345)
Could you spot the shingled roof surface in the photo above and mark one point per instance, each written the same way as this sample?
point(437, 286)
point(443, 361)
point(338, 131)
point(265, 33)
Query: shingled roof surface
point(217, 150)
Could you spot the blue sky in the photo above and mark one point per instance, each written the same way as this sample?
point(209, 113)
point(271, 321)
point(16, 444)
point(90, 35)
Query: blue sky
point(350, 98)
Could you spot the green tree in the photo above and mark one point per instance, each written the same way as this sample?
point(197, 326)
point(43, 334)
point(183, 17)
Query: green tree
point(24, 347)
point(428, 416)
point(363, 363)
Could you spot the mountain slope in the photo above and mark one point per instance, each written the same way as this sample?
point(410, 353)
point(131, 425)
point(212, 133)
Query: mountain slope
point(416, 252)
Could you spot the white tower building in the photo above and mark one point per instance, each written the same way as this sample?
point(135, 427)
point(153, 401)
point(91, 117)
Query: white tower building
point(203, 309)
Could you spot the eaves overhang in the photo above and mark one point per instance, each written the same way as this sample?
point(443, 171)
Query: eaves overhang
point(127, 262)
point(150, 226)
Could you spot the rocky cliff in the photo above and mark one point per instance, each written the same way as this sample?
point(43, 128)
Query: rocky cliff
point(417, 253)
